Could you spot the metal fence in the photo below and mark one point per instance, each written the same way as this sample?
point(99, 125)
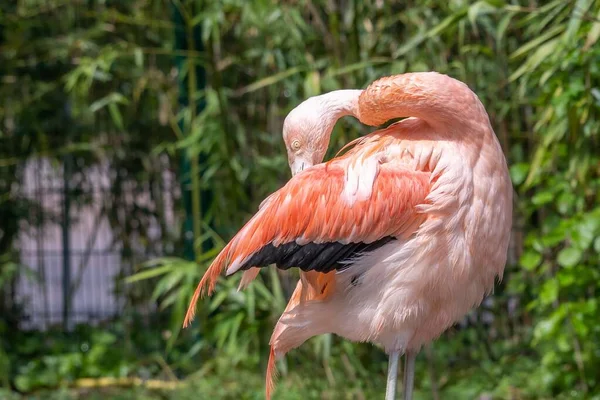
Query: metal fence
point(72, 262)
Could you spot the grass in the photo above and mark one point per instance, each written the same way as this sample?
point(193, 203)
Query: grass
point(488, 380)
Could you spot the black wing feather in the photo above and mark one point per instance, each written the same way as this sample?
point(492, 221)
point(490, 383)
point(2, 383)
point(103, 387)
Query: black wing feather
point(321, 257)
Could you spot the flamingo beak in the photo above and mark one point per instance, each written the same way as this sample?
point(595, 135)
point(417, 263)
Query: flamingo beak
point(299, 165)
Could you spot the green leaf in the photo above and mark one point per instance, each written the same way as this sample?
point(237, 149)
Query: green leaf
point(446, 23)
point(535, 59)
point(566, 277)
point(410, 44)
point(138, 56)
point(518, 172)
point(148, 274)
point(569, 257)
point(502, 27)
point(217, 300)
point(593, 34)
point(530, 260)
point(167, 282)
point(23, 383)
point(549, 292)
point(586, 231)
point(312, 84)
point(535, 43)
point(579, 10)
point(553, 238)
point(116, 116)
point(268, 81)
point(251, 303)
point(566, 202)
point(536, 165)
point(114, 97)
point(542, 198)
point(597, 245)
point(416, 40)
point(479, 8)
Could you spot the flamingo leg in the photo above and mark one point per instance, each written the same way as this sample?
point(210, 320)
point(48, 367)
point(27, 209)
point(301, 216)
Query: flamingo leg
point(392, 377)
point(409, 374)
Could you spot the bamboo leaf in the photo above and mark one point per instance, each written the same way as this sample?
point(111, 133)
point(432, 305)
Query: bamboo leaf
point(116, 116)
point(114, 97)
point(312, 84)
point(593, 34)
point(357, 66)
point(527, 47)
point(503, 26)
point(447, 23)
point(268, 81)
point(434, 32)
point(148, 274)
point(535, 59)
point(479, 8)
point(581, 7)
point(412, 43)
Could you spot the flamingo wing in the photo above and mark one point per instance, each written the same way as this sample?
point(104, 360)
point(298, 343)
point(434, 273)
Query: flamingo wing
point(310, 223)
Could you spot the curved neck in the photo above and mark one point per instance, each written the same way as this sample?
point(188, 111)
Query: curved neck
point(330, 108)
point(443, 102)
point(340, 103)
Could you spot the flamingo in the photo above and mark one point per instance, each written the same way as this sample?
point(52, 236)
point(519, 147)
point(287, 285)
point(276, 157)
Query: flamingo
point(396, 239)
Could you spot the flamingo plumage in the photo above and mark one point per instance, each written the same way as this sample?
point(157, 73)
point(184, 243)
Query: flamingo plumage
point(399, 237)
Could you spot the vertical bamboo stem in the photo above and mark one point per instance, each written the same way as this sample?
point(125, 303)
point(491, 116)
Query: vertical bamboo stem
point(194, 159)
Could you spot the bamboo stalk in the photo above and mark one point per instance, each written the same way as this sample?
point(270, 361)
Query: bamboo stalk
point(194, 159)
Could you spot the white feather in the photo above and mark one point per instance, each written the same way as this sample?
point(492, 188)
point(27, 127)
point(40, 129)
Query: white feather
point(360, 177)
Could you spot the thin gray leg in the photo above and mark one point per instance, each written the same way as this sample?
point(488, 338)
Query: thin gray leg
point(409, 374)
point(392, 378)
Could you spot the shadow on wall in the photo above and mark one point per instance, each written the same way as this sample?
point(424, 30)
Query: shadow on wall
point(94, 255)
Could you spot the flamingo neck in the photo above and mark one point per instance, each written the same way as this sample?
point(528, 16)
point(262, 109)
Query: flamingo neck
point(340, 103)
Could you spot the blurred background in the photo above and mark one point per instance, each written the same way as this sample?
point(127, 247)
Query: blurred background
point(137, 136)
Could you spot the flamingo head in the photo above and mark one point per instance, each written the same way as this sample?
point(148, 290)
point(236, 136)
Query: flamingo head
point(306, 133)
point(307, 128)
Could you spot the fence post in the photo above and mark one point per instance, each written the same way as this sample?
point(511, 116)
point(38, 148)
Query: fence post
point(182, 44)
point(66, 243)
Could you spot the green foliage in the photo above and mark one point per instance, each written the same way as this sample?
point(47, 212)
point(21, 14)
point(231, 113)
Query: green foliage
point(57, 359)
point(563, 182)
point(241, 319)
point(110, 68)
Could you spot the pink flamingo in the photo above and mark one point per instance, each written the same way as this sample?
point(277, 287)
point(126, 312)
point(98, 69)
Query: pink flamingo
point(398, 238)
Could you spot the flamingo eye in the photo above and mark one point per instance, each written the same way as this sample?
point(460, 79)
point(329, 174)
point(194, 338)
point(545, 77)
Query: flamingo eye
point(295, 145)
